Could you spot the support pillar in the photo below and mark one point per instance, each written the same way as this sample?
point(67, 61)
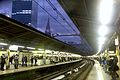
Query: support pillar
point(7, 59)
point(117, 49)
point(44, 54)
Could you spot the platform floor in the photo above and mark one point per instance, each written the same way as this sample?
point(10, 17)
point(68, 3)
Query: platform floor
point(97, 73)
point(20, 69)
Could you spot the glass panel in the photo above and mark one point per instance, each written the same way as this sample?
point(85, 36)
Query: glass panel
point(46, 16)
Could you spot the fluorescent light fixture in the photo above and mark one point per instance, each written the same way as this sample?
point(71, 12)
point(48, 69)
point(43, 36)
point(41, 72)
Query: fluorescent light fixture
point(99, 48)
point(103, 30)
point(101, 43)
point(3, 44)
point(116, 42)
point(48, 51)
point(13, 47)
point(20, 46)
point(7, 15)
point(40, 49)
point(106, 9)
point(30, 48)
point(101, 39)
point(37, 52)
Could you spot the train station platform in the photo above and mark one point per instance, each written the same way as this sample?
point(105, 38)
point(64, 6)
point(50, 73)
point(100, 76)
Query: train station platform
point(97, 73)
point(21, 69)
point(28, 68)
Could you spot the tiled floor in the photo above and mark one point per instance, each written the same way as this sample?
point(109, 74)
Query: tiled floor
point(97, 73)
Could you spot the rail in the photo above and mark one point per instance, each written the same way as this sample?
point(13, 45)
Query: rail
point(69, 73)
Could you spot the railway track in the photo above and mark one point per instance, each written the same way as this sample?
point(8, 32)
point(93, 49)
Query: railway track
point(68, 73)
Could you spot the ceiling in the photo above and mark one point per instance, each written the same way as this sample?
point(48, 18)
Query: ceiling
point(16, 33)
point(84, 14)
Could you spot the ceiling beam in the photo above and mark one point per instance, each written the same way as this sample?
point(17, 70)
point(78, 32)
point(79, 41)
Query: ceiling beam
point(86, 19)
point(84, 2)
point(21, 34)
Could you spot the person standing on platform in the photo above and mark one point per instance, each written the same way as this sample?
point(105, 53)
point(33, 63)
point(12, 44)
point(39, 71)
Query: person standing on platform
point(2, 62)
point(16, 61)
point(113, 67)
point(44, 60)
point(11, 60)
point(105, 64)
point(31, 60)
point(25, 61)
point(100, 61)
point(35, 60)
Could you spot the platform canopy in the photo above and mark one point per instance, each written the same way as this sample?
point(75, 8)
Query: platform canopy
point(85, 15)
point(16, 33)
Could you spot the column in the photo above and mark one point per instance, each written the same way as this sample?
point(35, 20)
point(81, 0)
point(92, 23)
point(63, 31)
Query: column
point(7, 59)
point(44, 54)
point(117, 49)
